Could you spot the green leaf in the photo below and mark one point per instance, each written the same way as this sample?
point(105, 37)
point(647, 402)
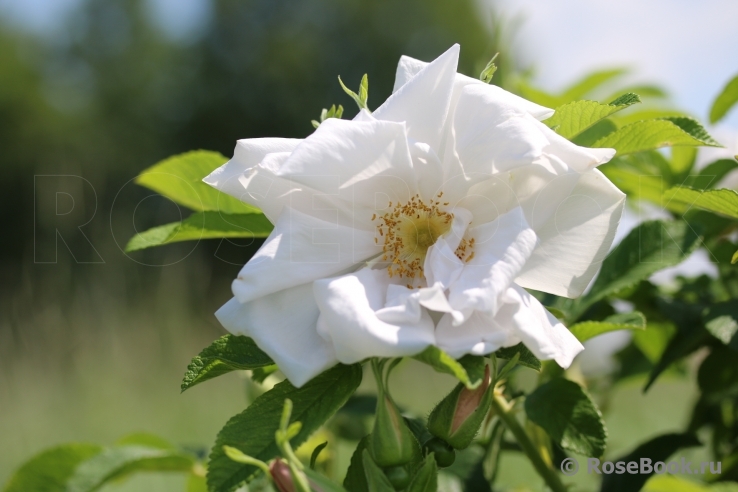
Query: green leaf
point(721, 320)
point(115, 463)
point(493, 452)
point(573, 118)
point(355, 480)
point(682, 160)
point(50, 470)
point(599, 130)
point(261, 373)
point(179, 178)
point(723, 201)
point(648, 248)
point(636, 185)
point(717, 376)
point(226, 354)
point(375, 477)
point(364, 89)
point(712, 174)
point(626, 321)
point(316, 453)
point(469, 369)
point(671, 483)
point(653, 341)
point(252, 431)
point(590, 82)
point(648, 91)
point(145, 439)
point(657, 449)
point(321, 483)
point(196, 483)
point(725, 100)
point(653, 134)
point(203, 225)
point(426, 478)
point(489, 70)
point(526, 358)
point(360, 98)
point(569, 416)
point(683, 343)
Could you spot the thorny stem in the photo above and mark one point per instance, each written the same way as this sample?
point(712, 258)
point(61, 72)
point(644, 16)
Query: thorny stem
point(504, 409)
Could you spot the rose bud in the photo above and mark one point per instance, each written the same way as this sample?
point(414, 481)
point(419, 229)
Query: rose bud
point(280, 472)
point(457, 418)
point(391, 442)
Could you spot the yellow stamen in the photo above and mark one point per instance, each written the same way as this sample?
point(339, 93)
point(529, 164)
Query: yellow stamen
point(408, 230)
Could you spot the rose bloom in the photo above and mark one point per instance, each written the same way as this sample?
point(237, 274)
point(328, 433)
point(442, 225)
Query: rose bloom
point(419, 224)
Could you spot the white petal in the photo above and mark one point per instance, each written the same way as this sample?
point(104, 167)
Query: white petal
point(259, 186)
point(428, 170)
point(423, 102)
point(491, 135)
point(300, 249)
point(365, 164)
point(248, 153)
point(520, 318)
point(356, 318)
point(481, 334)
point(501, 249)
point(441, 263)
point(408, 67)
point(283, 325)
point(538, 329)
point(575, 240)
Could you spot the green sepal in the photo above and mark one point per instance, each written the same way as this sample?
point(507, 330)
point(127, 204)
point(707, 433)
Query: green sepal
point(458, 417)
point(391, 442)
point(426, 478)
point(375, 477)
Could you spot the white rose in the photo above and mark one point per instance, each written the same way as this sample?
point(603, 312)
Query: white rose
point(418, 225)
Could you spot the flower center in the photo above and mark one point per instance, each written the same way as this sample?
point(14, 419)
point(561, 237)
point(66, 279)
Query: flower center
point(409, 229)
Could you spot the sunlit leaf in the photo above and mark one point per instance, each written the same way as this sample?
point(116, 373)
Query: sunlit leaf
point(179, 178)
point(711, 174)
point(725, 100)
point(653, 134)
point(469, 369)
point(625, 321)
point(721, 320)
point(723, 201)
point(573, 118)
point(590, 82)
point(226, 354)
point(203, 225)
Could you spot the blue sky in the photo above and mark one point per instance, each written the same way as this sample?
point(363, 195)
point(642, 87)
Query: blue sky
point(688, 47)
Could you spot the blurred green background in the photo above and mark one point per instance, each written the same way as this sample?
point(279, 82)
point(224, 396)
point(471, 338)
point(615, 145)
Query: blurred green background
point(93, 342)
